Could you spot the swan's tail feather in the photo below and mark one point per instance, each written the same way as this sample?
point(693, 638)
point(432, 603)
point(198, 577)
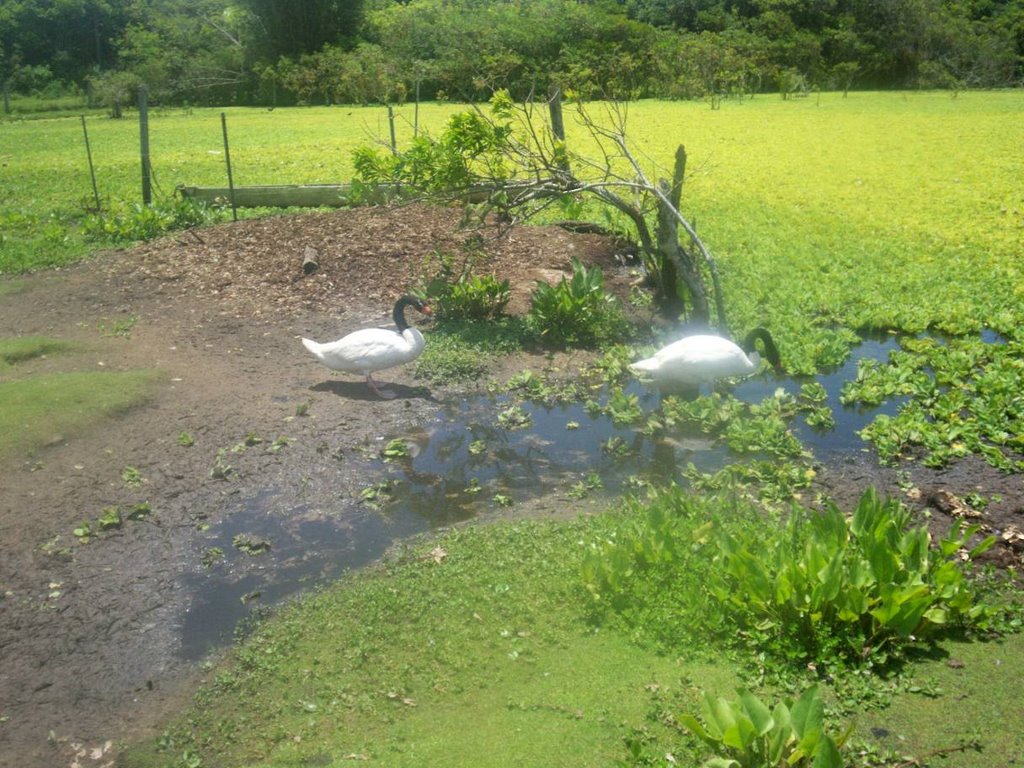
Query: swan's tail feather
point(313, 347)
point(644, 366)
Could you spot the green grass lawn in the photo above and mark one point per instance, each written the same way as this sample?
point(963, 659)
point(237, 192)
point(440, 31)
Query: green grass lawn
point(39, 408)
point(478, 650)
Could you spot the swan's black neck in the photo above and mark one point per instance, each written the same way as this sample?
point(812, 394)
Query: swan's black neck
point(399, 311)
point(771, 352)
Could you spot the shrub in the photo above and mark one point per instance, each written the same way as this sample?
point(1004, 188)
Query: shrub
point(576, 312)
point(458, 294)
point(746, 734)
point(145, 222)
point(857, 586)
point(820, 588)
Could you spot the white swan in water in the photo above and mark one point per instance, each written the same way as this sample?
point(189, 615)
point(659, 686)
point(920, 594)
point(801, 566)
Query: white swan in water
point(374, 349)
point(694, 360)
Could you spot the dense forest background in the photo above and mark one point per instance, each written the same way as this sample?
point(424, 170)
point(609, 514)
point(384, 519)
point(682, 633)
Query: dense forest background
point(281, 52)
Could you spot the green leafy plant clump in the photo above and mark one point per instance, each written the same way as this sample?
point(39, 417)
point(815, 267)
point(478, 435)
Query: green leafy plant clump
point(747, 734)
point(145, 222)
point(578, 311)
point(822, 588)
point(458, 293)
point(858, 588)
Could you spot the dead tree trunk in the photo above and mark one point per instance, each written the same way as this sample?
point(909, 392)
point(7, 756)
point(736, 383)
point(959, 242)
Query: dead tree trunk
point(677, 263)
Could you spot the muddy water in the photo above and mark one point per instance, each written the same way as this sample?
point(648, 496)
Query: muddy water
point(464, 464)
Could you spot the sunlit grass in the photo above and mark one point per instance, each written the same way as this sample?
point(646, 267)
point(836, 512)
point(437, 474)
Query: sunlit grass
point(480, 648)
point(960, 696)
point(770, 180)
point(25, 348)
point(475, 652)
point(39, 409)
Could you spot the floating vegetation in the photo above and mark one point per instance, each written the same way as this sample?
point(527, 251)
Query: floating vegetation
point(963, 396)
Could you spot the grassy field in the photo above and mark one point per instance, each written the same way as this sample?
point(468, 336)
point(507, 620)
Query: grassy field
point(43, 407)
point(874, 212)
point(480, 649)
point(766, 175)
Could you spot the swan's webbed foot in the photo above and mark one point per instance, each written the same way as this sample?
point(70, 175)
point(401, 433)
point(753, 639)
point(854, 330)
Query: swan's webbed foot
point(384, 394)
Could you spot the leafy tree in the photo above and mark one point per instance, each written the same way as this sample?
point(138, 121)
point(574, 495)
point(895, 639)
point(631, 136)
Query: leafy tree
point(192, 53)
point(362, 76)
point(520, 167)
point(70, 37)
point(226, 51)
point(297, 27)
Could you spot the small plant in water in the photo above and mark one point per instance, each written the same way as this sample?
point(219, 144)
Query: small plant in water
point(583, 487)
point(251, 545)
point(375, 496)
point(212, 556)
point(514, 417)
point(395, 449)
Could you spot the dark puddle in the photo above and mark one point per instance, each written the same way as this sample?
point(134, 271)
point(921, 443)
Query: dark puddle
point(466, 464)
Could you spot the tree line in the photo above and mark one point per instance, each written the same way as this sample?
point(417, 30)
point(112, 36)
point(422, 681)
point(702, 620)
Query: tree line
point(284, 52)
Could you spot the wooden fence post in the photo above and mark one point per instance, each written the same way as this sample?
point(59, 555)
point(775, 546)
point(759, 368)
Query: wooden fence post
point(391, 125)
point(92, 171)
point(227, 159)
point(416, 112)
point(147, 189)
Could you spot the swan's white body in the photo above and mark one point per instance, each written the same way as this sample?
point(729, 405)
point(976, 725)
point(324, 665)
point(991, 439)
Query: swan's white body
point(373, 349)
point(695, 360)
point(368, 350)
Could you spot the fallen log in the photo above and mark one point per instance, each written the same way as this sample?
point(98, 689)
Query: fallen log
point(310, 260)
point(274, 195)
point(316, 195)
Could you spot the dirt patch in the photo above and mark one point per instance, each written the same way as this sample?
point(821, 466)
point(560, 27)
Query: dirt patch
point(91, 636)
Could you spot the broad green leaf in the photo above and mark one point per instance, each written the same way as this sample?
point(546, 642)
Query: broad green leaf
point(760, 716)
point(826, 755)
point(694, 725)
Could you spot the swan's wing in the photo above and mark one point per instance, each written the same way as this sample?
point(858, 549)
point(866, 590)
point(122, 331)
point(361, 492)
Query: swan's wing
point(371, 349)
point(701, 358)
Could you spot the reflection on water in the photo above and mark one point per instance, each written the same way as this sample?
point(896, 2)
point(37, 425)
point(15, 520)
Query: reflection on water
point(459, 466)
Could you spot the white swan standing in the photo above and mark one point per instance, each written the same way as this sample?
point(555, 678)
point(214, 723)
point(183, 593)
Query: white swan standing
point(694, 360)
point(374, 349)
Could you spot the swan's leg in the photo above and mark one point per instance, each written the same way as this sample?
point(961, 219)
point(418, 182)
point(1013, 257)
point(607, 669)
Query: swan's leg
point(385, 394)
